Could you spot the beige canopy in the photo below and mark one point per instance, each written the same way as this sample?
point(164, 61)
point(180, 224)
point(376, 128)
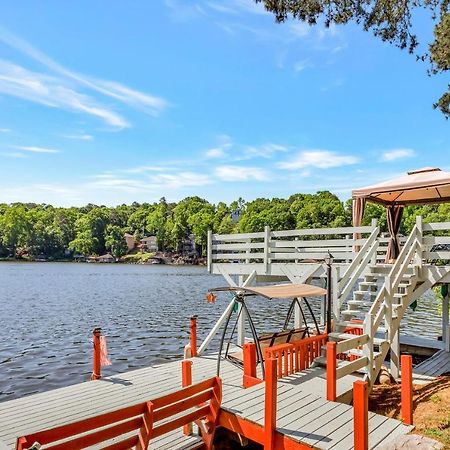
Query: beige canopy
point(427, 185)
point(279, 290)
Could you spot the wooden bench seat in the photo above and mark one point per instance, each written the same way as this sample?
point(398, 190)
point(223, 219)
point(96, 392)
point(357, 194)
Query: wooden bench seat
point(154, 424)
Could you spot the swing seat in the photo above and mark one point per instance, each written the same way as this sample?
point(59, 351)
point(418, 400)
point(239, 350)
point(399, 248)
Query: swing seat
point(272, 339)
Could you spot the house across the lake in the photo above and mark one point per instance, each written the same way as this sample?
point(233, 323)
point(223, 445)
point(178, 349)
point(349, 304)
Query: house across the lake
point(130, 240)
point(188, 246)
point(108, 258)
point(149, 244)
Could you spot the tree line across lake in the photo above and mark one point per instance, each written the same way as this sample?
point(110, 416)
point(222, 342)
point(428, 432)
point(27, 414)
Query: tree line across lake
point(59, 233)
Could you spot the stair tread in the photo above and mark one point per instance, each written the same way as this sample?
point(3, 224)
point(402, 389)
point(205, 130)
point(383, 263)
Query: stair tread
point(365, 292)
point(346, 336)
point(357, 352)
point(352, 311)
point(359, 302)
point(349, 324)
point(323, 361)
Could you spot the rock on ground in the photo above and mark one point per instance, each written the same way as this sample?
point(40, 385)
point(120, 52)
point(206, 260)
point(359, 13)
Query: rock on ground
point(410, 442)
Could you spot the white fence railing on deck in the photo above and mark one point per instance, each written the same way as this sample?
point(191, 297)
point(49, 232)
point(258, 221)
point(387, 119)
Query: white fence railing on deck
point(269, 247)
point(436, 247)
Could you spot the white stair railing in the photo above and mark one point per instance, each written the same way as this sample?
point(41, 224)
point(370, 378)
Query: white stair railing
point(355, 269)
point(382, 307)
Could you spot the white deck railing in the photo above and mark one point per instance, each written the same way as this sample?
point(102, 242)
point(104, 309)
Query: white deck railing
point(269, 247)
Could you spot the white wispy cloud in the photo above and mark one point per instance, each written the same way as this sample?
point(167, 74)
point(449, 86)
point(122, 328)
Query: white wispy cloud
point(241, 173)
point(265, 151)
point(40, 87)
point(154, 183)
point(144, 169)
point(236, 7)
point(50, 91)
point(183, 11)
point(224, 143)
point(34, 149)
point(301, 65)
point(4, 130)
point(79, 137)
point(181, 180)
point(338, 82)
point(397, 153)
point(17, 155)
point(215, 153)
point(321, 159)
point(299, 29)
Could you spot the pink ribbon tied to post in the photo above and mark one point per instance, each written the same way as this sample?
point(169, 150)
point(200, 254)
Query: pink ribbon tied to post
point(104, 360)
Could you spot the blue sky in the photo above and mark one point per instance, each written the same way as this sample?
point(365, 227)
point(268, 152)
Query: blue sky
point(112, 102)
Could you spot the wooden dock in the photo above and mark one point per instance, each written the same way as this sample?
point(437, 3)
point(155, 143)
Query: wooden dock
point(305, 419)
point(437, 365)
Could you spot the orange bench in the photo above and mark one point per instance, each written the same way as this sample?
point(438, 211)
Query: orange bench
point(135, 427)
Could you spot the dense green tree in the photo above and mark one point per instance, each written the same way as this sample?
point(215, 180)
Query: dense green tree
point(321, 210)
point(137, 220)
point(200, 223)
point(157, 223)
point(115, 241)
point(390, 20)
point(274, 213)
point(85, 242)
point(14, 226)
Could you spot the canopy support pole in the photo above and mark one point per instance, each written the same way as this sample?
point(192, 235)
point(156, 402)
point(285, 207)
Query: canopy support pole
point(224, 315)
point(298, 322)
point(242, 312)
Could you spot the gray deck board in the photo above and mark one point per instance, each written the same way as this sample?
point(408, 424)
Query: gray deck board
point(303, 413)
point(437, 365)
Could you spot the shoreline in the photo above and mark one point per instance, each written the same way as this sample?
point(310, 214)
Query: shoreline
point(199, 263)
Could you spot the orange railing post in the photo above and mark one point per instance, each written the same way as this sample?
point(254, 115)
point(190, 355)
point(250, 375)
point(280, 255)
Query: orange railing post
point(331, 371)
point(96, 368)
point(249, 357)
point(194, 336)
point(361, 415)
point(186, 380)
point(270, 403)
point(407, 389)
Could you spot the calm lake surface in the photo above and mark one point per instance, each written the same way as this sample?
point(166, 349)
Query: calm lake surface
point(48, 311)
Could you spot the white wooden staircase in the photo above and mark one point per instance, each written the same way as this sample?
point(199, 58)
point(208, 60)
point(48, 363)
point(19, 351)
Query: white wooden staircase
point(374, 309)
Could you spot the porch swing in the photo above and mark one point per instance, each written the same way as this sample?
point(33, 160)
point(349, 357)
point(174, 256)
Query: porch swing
point(294, 292)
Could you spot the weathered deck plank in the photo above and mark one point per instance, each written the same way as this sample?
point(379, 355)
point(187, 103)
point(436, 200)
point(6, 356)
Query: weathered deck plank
point(303, 413)
point(437, 365)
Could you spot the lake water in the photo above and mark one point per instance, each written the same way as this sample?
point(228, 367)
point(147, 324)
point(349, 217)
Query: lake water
point(48, 311)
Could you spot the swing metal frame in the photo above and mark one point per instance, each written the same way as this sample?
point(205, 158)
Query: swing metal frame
point(270, 292)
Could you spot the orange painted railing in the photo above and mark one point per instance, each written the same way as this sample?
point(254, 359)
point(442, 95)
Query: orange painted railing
point(407, 389)
point(331, 371)
point(142, 421)
point(296, 356)
point(361, 415)
point(249, 377)
point(193, 336)
point(186, 380)
point(270, 403)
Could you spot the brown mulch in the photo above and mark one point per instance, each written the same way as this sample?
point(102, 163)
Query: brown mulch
point(431, 403)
